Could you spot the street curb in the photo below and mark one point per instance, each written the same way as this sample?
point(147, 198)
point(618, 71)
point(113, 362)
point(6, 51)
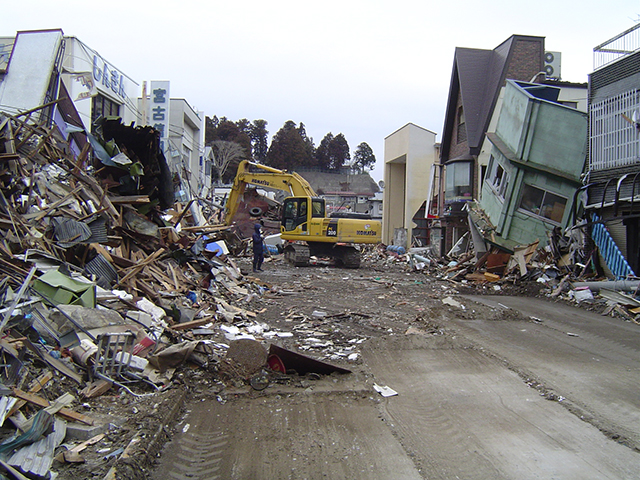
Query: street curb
point(139, 456)
point(157, 442)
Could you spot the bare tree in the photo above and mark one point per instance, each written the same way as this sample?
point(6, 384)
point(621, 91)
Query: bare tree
point(226, 156)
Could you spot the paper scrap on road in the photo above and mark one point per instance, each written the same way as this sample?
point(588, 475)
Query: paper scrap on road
point(384, 390)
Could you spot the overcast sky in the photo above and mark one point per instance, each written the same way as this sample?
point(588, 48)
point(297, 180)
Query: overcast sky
point(363, 68)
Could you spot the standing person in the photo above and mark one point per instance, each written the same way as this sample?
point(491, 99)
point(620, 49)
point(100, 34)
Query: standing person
point(258, 248)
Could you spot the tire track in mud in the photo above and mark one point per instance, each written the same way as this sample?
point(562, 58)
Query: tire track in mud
point(286, 436)
point(197, 456)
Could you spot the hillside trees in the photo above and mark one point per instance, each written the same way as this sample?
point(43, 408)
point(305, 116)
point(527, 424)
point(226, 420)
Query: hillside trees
point(333, 152)
point(259, 140)
point(231, 143)
point(226, 158)
point(363, 158)
point(290, 148)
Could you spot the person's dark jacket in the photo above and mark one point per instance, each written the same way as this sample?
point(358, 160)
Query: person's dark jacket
point(258, 242)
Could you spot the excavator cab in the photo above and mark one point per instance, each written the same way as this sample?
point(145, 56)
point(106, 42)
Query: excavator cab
point(296, 214)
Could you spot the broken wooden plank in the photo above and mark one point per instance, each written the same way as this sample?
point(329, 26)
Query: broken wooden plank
point(35, 387)
point(54, 362)
point(173, 276)
point(193, 323)
point(130, 200)
point(97, 388)
point(136, 268)
point(64, 412)
point(73, 454)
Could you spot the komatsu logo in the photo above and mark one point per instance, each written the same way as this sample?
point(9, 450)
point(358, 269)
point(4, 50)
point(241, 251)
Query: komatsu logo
point(260, 182)
point(366, 232)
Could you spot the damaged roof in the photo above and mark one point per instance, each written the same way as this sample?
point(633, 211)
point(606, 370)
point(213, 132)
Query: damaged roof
point(477, 78)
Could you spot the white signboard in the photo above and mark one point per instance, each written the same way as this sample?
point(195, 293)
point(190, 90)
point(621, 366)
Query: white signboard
point(159, 110)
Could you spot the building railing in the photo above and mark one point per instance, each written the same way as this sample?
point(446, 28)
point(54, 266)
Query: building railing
point(609, 251)
point(614, 140)
point(619, 46)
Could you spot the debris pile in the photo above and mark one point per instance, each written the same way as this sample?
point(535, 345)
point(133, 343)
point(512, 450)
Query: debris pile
point(560, 270)
point(108, 286)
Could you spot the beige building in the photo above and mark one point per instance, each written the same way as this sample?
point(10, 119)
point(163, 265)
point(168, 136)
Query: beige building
point(409, 154)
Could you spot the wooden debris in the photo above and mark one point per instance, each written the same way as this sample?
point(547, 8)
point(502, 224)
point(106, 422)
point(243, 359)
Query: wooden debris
point(192, 324)
point(96, 388)
point(64, 412)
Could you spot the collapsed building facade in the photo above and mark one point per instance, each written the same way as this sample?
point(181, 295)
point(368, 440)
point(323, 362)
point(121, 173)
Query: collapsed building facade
point(527, 157)
point(79, 89)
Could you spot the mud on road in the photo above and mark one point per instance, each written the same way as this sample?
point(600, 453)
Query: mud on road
point(463, 409)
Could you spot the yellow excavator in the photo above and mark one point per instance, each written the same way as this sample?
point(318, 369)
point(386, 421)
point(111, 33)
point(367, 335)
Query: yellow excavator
point(304, 224)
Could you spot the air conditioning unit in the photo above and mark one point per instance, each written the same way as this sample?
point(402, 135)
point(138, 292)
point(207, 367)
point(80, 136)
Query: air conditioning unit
point(552, 64)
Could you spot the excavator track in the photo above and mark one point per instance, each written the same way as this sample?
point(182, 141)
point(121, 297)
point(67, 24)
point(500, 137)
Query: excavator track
point(349, 256)
point(297, 254)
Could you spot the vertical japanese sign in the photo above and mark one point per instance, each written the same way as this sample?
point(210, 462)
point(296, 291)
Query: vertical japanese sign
point(159, 110)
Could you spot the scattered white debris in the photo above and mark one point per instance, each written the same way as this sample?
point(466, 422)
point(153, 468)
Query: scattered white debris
point(452, 302)
point(231, 332)
point(384, 390)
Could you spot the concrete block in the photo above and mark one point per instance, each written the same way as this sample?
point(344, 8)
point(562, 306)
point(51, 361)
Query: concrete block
point(79, 431)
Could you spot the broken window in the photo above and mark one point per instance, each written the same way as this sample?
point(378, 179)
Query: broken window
point(545, 204)
point(101, 106)
point(499, 178)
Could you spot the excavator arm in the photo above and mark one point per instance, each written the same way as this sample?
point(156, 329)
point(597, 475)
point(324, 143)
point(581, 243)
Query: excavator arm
point(250, 173)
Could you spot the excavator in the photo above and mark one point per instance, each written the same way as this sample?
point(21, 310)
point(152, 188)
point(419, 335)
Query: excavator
point(304, 225)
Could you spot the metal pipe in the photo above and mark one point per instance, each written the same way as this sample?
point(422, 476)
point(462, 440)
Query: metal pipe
point(616, 285)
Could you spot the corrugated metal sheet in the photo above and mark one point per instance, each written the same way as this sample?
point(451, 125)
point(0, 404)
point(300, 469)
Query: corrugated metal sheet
point(106, 276)
point(69, 232)
point(608, 249)
point(37, 458)
point(98, 231)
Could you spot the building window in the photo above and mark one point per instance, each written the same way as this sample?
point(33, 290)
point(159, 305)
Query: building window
point(462, 128)
point(101, 106)
point(458, 180)
point(499, 178)
point(543, 203)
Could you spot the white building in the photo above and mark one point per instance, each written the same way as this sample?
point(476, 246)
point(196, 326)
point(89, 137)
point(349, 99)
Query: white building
point(409, 154)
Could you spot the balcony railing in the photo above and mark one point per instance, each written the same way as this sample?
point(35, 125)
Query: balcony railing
point(619, 46)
